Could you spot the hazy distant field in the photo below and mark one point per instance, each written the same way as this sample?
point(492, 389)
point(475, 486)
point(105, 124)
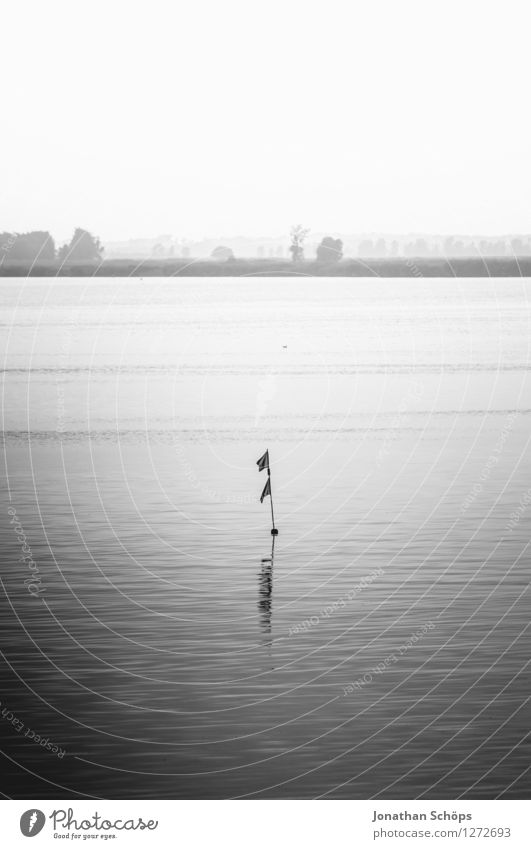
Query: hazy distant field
point(395, 267)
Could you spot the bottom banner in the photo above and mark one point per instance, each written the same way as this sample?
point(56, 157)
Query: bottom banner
point(261, 824)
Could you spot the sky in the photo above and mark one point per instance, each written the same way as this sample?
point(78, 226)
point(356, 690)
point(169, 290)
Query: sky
point(235, 117)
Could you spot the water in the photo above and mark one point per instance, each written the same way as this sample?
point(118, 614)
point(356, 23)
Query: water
point(382, 653)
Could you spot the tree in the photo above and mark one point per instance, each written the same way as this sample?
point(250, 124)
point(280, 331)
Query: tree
point(83, 247)
point(298, 234)
point(330, 250)
point(27, 247)
point(222, 253)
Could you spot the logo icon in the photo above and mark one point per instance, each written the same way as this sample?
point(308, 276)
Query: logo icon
point(31, 822)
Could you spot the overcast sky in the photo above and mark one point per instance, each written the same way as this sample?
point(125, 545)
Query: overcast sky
point(212, 117)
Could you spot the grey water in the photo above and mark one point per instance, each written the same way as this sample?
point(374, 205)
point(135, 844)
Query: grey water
point(153, 637)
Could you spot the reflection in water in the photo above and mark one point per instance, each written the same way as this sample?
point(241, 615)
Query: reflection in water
point(265, 602)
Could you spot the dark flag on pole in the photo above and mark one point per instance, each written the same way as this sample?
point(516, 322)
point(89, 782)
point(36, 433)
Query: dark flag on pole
point(267, 490)
point(263, 462)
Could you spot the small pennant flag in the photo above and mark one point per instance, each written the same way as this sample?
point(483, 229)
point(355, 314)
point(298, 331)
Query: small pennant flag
point(263, 462)
point(267, 490)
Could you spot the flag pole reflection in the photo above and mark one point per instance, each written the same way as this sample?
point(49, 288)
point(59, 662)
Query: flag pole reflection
point(265, 591)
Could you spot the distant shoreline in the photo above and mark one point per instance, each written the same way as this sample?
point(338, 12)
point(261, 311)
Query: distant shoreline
point(390, 267)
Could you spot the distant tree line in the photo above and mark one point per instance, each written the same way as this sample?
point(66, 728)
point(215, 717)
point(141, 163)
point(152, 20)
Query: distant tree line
point(39, 246)
point(444, 247)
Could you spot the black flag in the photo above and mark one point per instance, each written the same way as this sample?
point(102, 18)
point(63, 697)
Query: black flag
point(267, 490)
point(263, 462)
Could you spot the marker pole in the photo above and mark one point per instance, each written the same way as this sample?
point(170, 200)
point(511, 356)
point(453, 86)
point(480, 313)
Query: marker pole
point(274, 530)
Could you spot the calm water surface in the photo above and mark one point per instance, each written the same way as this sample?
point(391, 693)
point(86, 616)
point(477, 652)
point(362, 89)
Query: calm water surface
point(381, 653)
